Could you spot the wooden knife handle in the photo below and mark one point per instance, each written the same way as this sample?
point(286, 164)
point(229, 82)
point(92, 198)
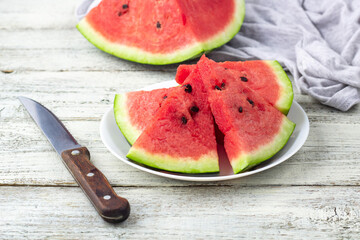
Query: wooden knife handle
point(110, 206)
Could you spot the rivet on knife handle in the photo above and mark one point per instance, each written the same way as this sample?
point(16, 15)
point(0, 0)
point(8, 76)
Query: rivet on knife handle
point(110, 206)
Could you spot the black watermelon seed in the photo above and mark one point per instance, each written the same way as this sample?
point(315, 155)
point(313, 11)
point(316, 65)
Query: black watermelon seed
point(188, 88)
point(194, 109)
point(125, 6)
point(119, 14)
point(226, 69)
point(250, 101)
point(222, 85)
point(240, 110)
point(183, 120)
point(158, 25)
point(244, 79)
point(217, 88)
point(165, 97)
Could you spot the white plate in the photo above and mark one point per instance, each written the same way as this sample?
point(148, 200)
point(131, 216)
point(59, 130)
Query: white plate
point(117, 145)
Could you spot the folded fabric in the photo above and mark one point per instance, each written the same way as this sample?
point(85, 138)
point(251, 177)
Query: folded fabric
point(318, 41)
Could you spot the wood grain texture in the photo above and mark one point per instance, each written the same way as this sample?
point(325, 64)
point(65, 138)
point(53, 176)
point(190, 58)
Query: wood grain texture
point(38, 14)
point(186, 213)
point(313, 195)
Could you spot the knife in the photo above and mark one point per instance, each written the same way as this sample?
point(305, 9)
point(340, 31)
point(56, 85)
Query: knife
point(76, 158)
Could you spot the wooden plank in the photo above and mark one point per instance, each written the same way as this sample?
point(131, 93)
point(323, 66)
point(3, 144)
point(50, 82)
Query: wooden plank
point(185, 213)
point(38, 7)
point(37, 39)
point(38, 14)
point(91, 59)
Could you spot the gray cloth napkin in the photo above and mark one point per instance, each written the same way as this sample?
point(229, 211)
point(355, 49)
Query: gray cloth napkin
point(318, 41)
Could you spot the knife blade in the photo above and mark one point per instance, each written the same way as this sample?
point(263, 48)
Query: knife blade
point(76, 158)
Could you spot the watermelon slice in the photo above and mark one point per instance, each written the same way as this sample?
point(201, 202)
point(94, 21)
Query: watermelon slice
point(181, 135)
point(267, 78)
point(254, 130)
point(134, 110)
point(162, 32)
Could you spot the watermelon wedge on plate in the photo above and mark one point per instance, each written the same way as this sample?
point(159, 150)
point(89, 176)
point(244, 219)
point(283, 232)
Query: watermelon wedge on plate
point(254, 130)
point(162, 32)
point(267, 78)
point(117, 144)
point(181, 136)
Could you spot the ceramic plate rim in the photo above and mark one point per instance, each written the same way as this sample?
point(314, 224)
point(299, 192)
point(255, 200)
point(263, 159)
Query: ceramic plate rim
point(201, 178)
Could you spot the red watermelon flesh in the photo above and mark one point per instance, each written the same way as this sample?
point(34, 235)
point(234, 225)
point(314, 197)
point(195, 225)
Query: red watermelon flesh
point(183, 71)
point(181, 136)
point(134, 110)
point(162, 32)
point(131, 25)
point(139, 112)
point(267, 78)
point(254, 130)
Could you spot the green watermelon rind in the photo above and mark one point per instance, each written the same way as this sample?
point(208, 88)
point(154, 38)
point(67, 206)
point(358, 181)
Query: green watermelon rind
point(285, 100)
point(263, 153)
point(122, 119)
point(207, 163)
point(138, 55)
point(230, 32)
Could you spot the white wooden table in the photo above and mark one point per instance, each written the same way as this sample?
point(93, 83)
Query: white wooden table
point(315, 194)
